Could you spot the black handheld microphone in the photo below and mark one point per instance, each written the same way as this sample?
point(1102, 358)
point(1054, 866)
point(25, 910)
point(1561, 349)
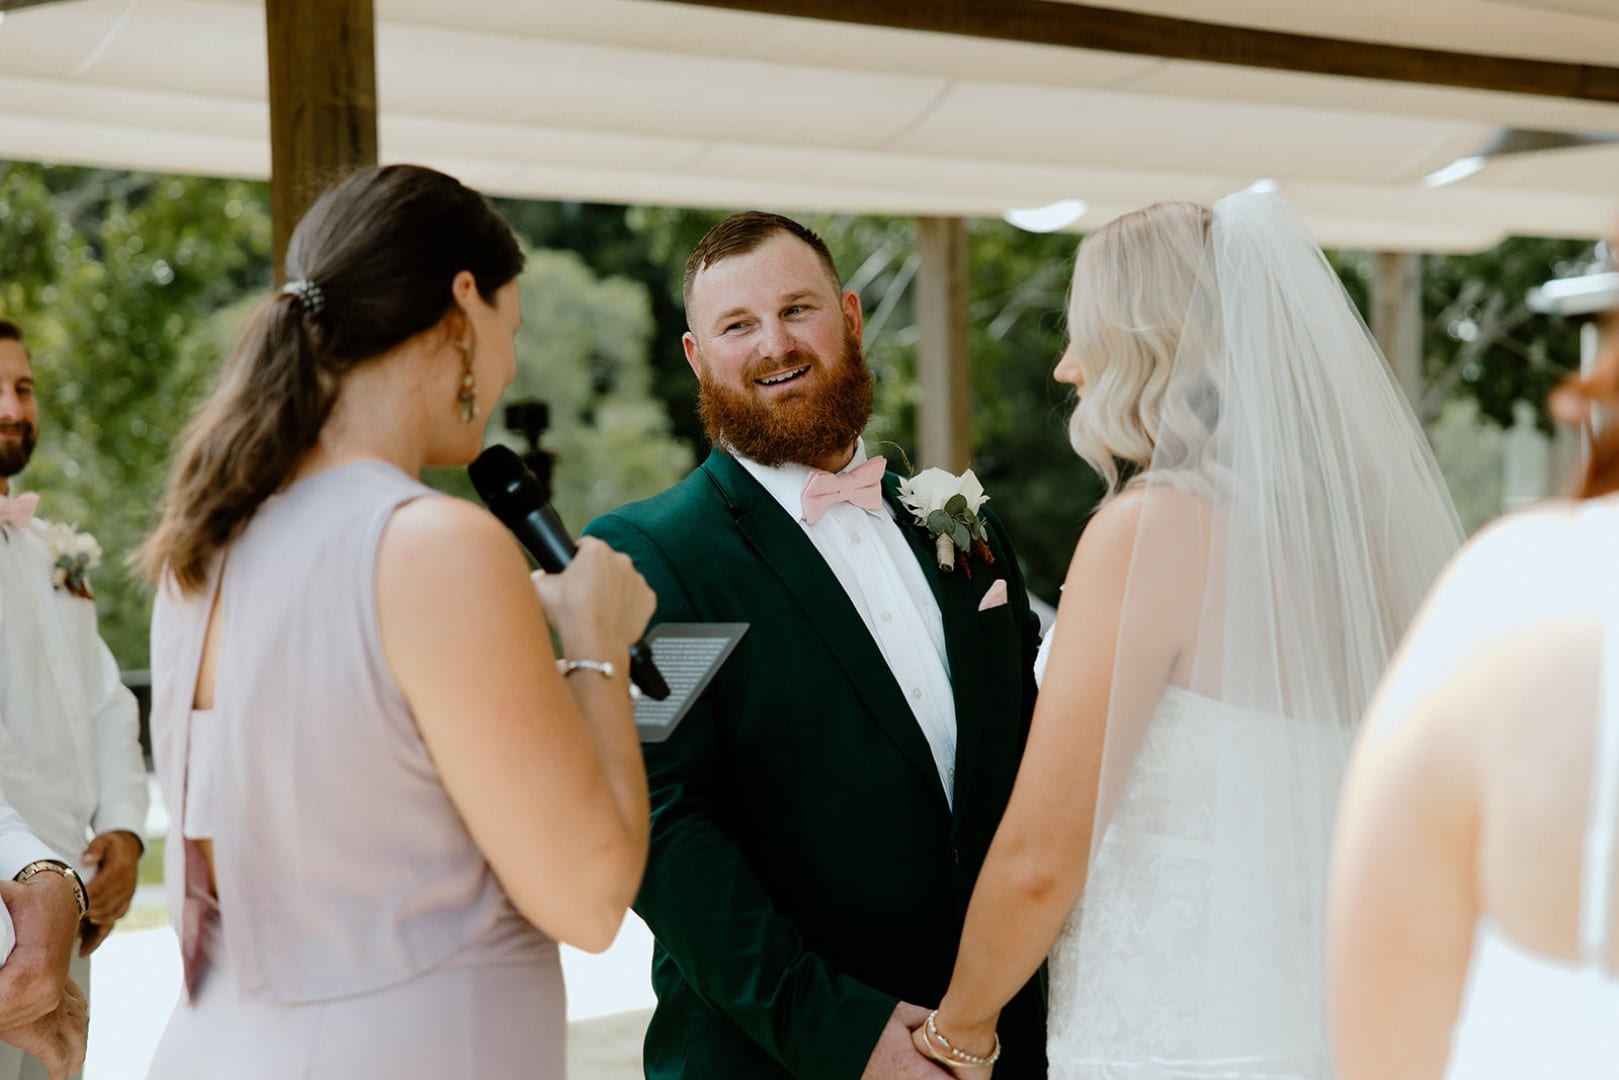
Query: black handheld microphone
point(514, 495)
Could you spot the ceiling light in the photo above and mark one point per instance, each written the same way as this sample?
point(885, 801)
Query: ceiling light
point(1511, 141)
point(1460, 169)
point(1043, 219)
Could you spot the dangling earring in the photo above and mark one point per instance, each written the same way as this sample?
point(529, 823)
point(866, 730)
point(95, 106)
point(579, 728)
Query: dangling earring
point(468, 397)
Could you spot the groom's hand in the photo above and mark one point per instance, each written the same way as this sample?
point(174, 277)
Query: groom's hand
point(895, 1057)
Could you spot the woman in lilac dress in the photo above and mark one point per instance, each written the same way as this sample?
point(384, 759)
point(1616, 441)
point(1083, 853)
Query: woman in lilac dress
point(388, 802)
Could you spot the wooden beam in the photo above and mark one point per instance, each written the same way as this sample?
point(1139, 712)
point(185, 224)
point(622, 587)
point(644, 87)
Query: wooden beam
point(323, 103)
point(1049, 22)
point(944, 413)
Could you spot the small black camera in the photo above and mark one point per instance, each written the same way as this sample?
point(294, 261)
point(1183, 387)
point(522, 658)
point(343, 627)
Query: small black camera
point(531, 418)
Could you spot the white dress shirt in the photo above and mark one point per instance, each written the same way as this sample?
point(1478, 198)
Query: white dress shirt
point(878, 570)
point(70, 759)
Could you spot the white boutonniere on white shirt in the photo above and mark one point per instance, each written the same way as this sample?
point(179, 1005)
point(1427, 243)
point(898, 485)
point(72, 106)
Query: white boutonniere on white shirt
point(947, 506)
point(73, 555)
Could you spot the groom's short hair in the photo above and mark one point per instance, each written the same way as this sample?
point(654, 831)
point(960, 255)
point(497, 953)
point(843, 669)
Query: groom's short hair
point(741, 233)
point(10, 331)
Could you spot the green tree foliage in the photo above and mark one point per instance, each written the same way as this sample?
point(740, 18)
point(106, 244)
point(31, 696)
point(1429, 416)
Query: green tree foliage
point(584, 351)
point(604, 238)
point(132, 287)
point(115, 278)
point(1480, 340)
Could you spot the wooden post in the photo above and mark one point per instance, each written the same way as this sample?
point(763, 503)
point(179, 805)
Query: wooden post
point(323, 103)
point(944, 413)
point(1397, 319)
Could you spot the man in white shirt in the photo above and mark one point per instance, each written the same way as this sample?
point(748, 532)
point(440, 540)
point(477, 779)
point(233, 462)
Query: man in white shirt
point(42, 1011)
point(70, 758)
point(821, 814)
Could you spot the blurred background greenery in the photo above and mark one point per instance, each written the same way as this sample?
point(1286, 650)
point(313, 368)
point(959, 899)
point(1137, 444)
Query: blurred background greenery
point(131, 288)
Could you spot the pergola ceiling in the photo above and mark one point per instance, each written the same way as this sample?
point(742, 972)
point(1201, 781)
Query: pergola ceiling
point(650, 101)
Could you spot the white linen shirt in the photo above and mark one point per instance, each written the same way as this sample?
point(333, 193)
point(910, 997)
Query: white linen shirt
point(877, 568)
point(70, 758)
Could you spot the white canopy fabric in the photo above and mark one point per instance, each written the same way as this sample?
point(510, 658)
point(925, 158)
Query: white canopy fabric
point(646, 101)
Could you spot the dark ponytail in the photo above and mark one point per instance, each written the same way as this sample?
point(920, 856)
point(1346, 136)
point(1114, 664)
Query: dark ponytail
point(371, 266)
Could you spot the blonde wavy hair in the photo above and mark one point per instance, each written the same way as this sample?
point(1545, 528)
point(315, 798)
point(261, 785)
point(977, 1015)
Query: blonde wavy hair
point(1134, 279)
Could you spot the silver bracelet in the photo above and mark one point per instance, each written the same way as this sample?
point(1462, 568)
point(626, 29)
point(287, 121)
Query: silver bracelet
point(605, 668)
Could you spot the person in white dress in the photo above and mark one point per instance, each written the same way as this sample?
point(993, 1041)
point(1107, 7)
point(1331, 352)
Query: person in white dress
point(1223, 624)
point(1473, 910)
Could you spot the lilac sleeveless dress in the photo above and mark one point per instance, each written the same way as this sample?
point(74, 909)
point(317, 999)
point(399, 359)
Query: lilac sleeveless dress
point(356, 929)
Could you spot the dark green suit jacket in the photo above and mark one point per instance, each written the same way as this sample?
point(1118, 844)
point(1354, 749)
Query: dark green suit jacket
point(806, 870)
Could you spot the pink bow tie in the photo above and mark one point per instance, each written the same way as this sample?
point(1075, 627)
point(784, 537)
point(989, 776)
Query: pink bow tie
point(18, 511)
point(861, 485)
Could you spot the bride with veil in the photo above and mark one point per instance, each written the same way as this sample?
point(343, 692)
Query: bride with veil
point(1275, 524)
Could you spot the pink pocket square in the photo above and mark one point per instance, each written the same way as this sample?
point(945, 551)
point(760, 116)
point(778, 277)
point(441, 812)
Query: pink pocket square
point(995, 596)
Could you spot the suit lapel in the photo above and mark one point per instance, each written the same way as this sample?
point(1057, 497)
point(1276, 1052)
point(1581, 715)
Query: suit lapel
point(957, 598)
point(784, 547)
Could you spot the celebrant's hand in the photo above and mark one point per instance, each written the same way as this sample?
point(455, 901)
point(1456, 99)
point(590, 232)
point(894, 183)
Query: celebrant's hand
point(600, 604)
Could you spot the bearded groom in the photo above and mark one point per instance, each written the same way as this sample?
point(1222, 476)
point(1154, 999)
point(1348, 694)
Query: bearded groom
point(820, 816)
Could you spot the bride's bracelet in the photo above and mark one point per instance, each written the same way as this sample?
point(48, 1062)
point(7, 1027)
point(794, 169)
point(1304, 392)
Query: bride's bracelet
point(952, 1055)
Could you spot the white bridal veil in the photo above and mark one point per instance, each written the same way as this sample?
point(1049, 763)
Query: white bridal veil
point(1294, 503)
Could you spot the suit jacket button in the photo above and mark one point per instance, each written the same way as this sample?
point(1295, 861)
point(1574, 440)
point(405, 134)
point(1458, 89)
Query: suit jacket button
point(955, 856)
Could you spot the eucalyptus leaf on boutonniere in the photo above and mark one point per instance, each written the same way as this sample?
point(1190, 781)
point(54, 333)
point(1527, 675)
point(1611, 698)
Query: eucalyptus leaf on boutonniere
point(947, 506)
point(73, 555)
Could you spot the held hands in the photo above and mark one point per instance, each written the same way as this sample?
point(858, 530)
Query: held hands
point(599, 605)
point(115, 856)
point(968, 1055)
point(57, 1038)
point(894, 1057)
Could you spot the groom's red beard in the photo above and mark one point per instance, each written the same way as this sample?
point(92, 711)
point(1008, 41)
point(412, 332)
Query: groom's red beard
point(797, 428)
point(17, 442)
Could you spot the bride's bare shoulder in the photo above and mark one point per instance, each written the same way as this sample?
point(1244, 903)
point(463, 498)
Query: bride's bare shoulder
point(1142, 523)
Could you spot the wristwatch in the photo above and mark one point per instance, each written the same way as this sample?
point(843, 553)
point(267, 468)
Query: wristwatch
point(56, 866)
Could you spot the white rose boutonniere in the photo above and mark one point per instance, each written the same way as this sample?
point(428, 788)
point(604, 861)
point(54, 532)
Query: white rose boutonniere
point(73, 555)
point(947, 506)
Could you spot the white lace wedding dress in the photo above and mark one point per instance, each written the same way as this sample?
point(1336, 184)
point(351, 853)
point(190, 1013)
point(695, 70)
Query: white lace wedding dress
point(1180, 966)
point(1289, 523)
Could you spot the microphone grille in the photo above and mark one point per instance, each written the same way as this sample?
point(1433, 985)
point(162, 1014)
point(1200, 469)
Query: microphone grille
point(498, 474)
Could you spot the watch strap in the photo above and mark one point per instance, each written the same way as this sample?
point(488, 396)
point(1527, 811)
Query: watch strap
point(57, 866)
